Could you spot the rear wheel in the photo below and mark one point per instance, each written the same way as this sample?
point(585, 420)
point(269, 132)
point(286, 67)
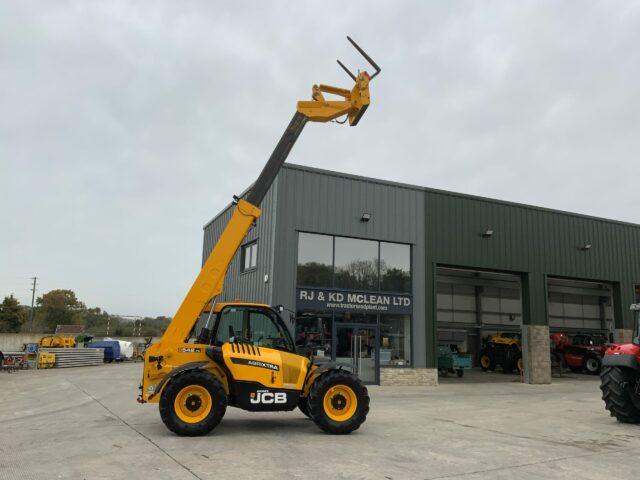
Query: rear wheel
point(338, 402)
point(593, 365)
point(193, 403)
point(618, 392)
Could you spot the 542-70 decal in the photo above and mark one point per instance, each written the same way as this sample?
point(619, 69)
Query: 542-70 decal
point(255, 363)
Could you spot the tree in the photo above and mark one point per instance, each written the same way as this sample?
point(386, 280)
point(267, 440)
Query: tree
point(59, 307)
point(95, 320)
point(11, 315)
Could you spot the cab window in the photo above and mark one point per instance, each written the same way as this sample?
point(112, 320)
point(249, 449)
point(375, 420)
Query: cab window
point(250, 325)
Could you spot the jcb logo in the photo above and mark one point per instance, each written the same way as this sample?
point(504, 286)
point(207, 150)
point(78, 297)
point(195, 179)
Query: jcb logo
point(267, 397)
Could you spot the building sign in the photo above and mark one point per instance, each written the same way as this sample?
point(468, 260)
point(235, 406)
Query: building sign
point(346, 301)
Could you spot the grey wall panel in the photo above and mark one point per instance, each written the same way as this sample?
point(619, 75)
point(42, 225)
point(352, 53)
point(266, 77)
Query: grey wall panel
point(535, 240)
point(248, 286)
point(317, 201)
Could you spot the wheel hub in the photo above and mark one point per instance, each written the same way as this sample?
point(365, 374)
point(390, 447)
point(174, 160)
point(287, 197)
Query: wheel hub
point(338, 401)
point(193, 403)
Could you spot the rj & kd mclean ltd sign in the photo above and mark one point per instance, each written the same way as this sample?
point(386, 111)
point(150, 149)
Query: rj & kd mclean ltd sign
point(336, 300)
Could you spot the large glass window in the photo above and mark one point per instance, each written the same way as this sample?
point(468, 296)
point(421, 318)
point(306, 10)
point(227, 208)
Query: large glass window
point(395, 267)
point(353, 264)
point(356, 264)
point(315, 260)
point(313, 333)
point(395, 339)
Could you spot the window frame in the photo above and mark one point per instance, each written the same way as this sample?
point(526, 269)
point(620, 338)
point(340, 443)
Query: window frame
point(247, 248)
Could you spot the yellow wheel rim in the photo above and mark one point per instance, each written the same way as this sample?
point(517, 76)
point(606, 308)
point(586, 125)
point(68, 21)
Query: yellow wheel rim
point(193, 404)
point(484, 361)
point(520, 364)
point(340, 403)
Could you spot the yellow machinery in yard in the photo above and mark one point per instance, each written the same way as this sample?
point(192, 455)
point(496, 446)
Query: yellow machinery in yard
point(46, 359)
point(244, 355)
point(58, 341)
point(502, 349)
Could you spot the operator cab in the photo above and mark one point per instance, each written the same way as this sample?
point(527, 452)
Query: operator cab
point(254, 324)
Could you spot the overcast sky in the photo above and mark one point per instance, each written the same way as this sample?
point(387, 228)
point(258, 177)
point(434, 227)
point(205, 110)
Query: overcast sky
point(125, 126)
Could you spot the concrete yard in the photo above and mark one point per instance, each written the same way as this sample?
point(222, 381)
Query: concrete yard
point(84, 423)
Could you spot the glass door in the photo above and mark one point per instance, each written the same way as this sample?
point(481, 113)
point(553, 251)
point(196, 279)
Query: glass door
point(356, 346)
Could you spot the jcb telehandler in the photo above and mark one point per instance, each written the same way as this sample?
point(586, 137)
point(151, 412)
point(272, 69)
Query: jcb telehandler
point(244, 355)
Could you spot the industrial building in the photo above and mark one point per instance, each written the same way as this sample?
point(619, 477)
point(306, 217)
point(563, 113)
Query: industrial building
point(379, 273)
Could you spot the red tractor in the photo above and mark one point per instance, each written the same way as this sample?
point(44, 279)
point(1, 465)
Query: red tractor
point(620, 377)
point(583, 352)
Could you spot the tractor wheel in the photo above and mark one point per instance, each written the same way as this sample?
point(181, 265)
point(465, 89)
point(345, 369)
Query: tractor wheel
point(338, 402)
point(592, 365)
point(303, 405)
point(487, 360)
point(193, 403)
point(618, 385)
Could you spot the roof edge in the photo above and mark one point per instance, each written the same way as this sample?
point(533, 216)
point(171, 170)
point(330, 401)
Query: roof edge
point(336, 174)
point(468, 196)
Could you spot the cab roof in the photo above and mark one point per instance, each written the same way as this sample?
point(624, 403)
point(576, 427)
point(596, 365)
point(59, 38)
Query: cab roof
point(219, 306)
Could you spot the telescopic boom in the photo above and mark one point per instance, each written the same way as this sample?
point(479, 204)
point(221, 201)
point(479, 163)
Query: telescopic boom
point(209, 281)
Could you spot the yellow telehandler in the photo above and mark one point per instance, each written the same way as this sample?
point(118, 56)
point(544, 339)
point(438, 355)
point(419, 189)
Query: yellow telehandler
point(244, 355)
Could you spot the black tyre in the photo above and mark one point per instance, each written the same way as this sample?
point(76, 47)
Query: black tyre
point(593, 365)
point(618, 385)
point(193, 403)
point(303, 405)
point(338, 402)
point(487, 360)
point(460, 373)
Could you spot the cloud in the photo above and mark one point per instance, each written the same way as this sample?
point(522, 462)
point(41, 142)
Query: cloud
point(125, 126)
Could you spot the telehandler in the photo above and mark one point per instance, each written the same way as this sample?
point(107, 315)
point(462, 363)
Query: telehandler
point(244, 355)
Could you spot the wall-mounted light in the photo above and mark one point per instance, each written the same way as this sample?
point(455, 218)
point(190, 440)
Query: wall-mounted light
point(488, 232)
point(585, 247)
point(365, 217)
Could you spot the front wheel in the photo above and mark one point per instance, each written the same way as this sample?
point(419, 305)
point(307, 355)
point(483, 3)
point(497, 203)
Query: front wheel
point(618, 387)
point(338, 402)
point(193, 403)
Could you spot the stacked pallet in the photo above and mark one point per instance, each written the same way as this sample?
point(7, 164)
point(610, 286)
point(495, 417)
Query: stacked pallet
point(76, 357)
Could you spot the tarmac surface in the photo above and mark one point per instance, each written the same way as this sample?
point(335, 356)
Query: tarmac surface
point(84, 423)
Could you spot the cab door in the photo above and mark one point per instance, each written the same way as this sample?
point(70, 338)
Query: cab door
point(259, 353)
